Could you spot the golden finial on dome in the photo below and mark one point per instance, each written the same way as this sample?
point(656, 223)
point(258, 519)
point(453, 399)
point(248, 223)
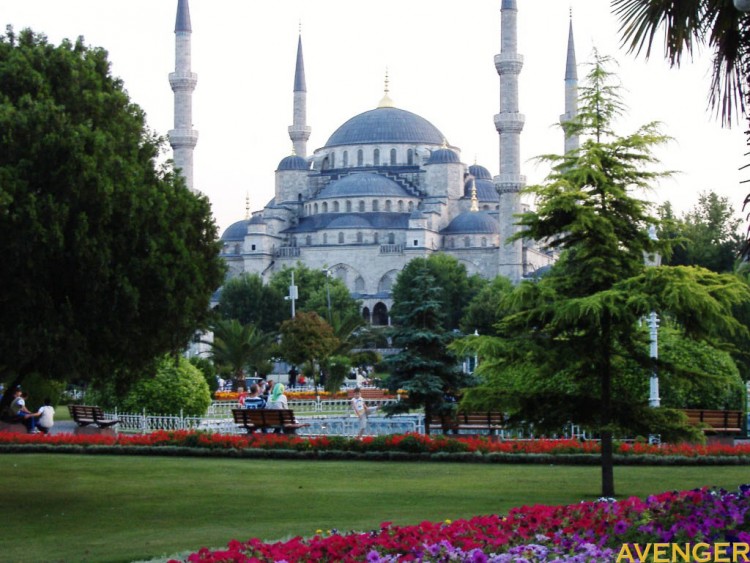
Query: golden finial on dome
point(386, 102)
point(294, 152)
point(247, 205)
point(474, 199)
point(445, 143)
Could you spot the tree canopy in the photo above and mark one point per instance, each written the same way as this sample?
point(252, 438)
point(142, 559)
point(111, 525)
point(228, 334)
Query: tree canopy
point(109, 261)
point(307, 339)
point(248, 300)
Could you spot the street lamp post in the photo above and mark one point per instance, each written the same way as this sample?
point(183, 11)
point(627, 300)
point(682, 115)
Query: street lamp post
point(653, 259)
point(328, 293)
point(293, 295)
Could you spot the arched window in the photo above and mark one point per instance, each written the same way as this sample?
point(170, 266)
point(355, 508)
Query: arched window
point(348, 206)
point(325, 238)
point(335, 206)
point(308, 240)
point(326, 164)
point(376, 157)
point(411, 206)
point(380, 314)
point(341, 238)
point(410, 157)
point(345, 159)
point(333, 160)
point(375, 237)
point(393, 157)
point(360, 158)
point(486, 207)
point(386, 282)
point(325, 207)
point(359, 238)
point(467, 242)
point(375, 205)
point(361, 206)
point(366, 314)
point(484, 241)
point(299, 197)
point(315, 207)
point(400, 206)
point(387, 204)
point(391, 238)
point(294, 241)
point(453, 242)
point(359, 285)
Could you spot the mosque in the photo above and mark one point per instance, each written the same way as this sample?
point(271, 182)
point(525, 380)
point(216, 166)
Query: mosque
point(386, 187)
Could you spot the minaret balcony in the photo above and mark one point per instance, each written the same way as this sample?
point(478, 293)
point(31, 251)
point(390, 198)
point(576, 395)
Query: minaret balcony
point(183, 80)
point(508, 63)
point(508, 183)
point(509, 122)
point(300, 132)
point(183, 137)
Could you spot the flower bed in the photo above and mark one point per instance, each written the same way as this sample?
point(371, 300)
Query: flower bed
point(600, 531)
point(476, 447)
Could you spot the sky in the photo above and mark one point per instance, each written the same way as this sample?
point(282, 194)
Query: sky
point(439, 57)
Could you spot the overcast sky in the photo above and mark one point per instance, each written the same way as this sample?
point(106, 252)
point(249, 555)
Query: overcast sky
point(439, 54)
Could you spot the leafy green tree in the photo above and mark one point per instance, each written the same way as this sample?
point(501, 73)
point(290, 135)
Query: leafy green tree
point(707, 235)
point(307, 340)
point(237, 348)
point(247, 299)
point(176, 387)
point(108, 261)
point(208, 369)
point(485, 310)
point(424, 366)
point(455, 287)
point(569, 336)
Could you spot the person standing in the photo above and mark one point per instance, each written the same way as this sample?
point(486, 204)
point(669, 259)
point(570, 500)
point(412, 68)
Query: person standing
point(361, 410)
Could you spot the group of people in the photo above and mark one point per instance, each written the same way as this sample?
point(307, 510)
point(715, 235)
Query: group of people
point(37, 422)
point(263, 395)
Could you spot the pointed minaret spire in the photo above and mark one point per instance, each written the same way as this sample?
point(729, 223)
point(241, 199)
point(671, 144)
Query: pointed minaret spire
point(299, 132)
point(247, 205)
point(571, 89)
point(183, 137)
point(509, 124)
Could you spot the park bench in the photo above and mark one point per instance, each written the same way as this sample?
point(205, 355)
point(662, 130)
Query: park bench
point(716, 421)
point(266, 419)
point(468, 422)
point(84, 415)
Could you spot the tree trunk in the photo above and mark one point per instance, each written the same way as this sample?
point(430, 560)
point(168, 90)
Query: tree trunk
point(608, 464)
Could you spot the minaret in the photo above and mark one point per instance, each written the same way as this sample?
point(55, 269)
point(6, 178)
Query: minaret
point(509, 124)
point(571, 90)
point(299, 132)
point(183, 137)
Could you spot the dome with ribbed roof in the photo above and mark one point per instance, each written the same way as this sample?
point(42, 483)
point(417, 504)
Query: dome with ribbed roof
point(472, 222)
point(365, 184)
point(292, 162)
point(486, 190)
point(480, 172)
point(236, 231)
point(386, 125)
point(443, 156)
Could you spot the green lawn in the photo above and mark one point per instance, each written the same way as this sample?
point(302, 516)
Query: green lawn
point(120, 508)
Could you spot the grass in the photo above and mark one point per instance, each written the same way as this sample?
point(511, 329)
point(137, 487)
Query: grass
point(120, 508)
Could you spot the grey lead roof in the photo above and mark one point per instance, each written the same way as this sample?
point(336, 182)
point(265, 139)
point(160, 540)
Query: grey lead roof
point(363, 184)
point(472, 222)
point(183, 17)
point(386, 125)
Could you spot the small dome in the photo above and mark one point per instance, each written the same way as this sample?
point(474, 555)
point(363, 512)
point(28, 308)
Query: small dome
point(443, 156)
point(292, 162)
point(486, 190)
point(472, 222)
point(386, 125)
point(236, 231)
point(363, 184)
point(480, 172)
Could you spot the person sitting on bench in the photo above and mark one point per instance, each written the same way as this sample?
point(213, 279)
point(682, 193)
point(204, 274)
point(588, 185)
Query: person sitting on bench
point(254, 400)
point(20, 413)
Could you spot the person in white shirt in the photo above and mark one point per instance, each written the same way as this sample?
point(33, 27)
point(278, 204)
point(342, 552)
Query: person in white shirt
point(361, 410)
point(46, 417)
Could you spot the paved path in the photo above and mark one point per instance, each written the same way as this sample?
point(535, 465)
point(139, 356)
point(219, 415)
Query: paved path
point(63, 427)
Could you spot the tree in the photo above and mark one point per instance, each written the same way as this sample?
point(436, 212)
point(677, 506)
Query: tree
point(485, 310)
point(707, 235)
point(307, 339)
point(237, 348)
point(424, 367)
point(247, 299)
point(567, 341)
point(455, 287)
point(108, 261)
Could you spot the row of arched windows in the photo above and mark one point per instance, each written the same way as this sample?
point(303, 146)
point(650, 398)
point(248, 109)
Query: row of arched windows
point(347, 206)
point(340, 238)
point(466, 242)
point(392, 158)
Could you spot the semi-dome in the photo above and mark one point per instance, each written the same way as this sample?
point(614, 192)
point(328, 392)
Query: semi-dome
point(480, 172)
point(472, 222)
point(365, 184)
point(443, 156)
point(292, 162)
point(386, 125)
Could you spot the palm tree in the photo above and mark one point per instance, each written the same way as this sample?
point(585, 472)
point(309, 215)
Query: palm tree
point(714, 23)
point(237, 347)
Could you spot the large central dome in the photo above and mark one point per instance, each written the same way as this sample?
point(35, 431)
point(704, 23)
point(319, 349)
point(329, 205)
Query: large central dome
point(386, 125)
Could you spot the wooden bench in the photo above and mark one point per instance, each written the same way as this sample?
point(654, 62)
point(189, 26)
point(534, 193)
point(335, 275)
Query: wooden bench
point(266, 419)
point(716, 421)
point(468, 422)
point(84, 415)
